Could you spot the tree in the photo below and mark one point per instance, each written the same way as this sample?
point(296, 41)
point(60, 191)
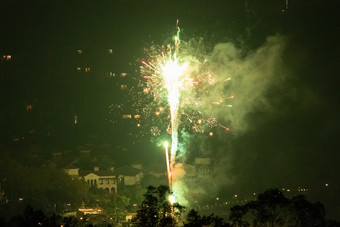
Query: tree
point(269, 208)
point(272, 208)
point(36, 218)
point(236, 216)
point(213, 220)
point(304, 213)
point(45, 188)
point(30, 218)
point(156, 210)
point(195, 220)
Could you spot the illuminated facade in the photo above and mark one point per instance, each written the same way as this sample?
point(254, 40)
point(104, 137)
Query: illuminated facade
point(102, 179)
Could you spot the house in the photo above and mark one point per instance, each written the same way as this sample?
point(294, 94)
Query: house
point(129, 175)
point(72, 172)
point(101, 179)
point(109, 179)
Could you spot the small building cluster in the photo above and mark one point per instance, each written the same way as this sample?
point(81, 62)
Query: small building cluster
point(109, 180)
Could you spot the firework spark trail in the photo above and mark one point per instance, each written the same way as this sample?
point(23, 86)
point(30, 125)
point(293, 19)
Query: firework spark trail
point(176, 78)
point(172, 72)
point(167, 163)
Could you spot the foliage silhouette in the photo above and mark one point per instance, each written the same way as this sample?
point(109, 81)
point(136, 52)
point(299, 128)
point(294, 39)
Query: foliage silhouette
point(272, 208)
point(195, 220)
point(156, 209)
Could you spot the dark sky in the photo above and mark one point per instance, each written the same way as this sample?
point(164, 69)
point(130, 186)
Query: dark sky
point(292, 141)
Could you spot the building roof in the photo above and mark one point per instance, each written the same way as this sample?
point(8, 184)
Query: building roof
point(101, 173)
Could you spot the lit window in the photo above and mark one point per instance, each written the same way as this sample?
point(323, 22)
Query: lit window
point(87, 69)
point(7, 57)
point(29, 107)
point(78, 69)
point(79, 51)
point(109, 51)
point(123, 86)
point(124, 74)
point(136, 116)
point(127, 116)
point(111, 74)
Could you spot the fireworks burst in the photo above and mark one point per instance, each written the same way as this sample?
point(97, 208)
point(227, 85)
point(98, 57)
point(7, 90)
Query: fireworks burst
point(180, 86)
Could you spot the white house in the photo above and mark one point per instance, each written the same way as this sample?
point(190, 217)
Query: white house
point(102, 179)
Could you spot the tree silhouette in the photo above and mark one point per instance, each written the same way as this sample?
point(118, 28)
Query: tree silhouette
point(304, 213)
point(30, 218)
point(269, 208)
point(236, 216)
point(195, 220)
point(272, 208)
point(156, 210)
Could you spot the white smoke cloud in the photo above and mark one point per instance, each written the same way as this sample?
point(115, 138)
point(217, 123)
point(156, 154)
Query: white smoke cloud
point(252, 74)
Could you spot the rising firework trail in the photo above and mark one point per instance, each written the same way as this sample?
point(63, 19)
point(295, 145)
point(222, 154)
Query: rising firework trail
point(167, 162)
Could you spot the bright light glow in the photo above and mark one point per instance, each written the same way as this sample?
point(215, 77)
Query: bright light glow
point(172, 72)
point(172, 199)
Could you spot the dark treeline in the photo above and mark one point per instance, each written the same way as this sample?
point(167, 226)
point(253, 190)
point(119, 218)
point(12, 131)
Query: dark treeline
point(271, 208)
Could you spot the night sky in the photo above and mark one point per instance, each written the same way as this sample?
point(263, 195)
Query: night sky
point(285, 62)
